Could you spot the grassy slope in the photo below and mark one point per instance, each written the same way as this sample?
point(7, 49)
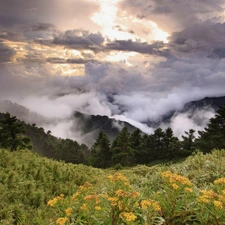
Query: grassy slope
point(28, 181)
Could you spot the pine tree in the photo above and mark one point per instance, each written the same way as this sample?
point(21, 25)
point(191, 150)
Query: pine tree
point(121, 149)
point(12, 134)
point(136, 141)
point(188, 141)
point(171, 144)
point(213, 136)
point(101, 152)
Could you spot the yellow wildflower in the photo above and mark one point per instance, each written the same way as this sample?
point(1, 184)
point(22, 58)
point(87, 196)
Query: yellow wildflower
point(113, 200)
point(156, 206)
point(97, 208)
point(223, 191)
point(117, 177)
point(75, 195)
point(61, 221)
point(220, 181)
point(90, 197)
point(147, 203)
point(188, 190)
point(85, 186)
point(203, 198)
point(209, 194)
point(134, 194)
point(52, 202)
point(121, 193)
point(218, 204)
point(84, 207)
point(175, 186)
point(222, 198)
point(120, 205)
point(68, 211)
point(128, 216)
point(175, 178)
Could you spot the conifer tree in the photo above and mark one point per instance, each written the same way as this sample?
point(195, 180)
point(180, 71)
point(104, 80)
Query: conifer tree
point(171, 144)
point(12, 134)
point(213, 136)
point(101, 152)
point(188, 141)
point(121, 149)
point(136, 145)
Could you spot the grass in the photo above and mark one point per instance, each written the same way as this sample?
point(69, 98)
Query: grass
point(37, 190)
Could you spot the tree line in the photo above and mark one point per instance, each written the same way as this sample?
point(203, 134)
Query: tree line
point(127, 149)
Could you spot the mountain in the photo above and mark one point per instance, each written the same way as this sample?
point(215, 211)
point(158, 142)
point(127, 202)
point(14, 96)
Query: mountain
point(213, 102)
point(85, 128)
point(95, 123)
point(191, 109)
point(82, 127)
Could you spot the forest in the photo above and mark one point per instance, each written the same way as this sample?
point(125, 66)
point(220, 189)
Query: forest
point(127, 149)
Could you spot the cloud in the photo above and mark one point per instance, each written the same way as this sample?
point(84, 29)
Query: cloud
point(6, 53)
point(10, 35)
point(42, 27)
point(205, 37)
point(145, 48)
point(71, 61)
point(72, 39)
point(60, 13)
point(196, 120)
point(55, 60)
point(174, 15)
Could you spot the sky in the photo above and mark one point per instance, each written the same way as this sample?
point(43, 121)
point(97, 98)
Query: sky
point(134, 60)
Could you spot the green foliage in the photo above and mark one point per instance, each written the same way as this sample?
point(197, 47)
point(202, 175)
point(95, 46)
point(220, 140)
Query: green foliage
point(56, 148)
point(121, 149)
point(27, 181)
point(101, 152)
point(140, 195)
point(150, 195)
point(213, 134)
point(12, 134)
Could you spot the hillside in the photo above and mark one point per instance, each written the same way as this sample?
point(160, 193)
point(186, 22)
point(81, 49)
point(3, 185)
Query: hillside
point(85, 128)
point(28, 182)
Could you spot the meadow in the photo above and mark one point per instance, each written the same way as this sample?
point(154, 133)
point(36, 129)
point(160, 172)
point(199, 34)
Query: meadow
point(39, 191)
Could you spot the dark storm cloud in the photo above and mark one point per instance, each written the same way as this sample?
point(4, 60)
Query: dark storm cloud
point(70, 61)
point(42, 27)
point(81, 39)
point(205, 37)
point(10, 35)
point(145, 48)
point(172, 14)
point(84, 41)
point(17, 13)
point(6, 53)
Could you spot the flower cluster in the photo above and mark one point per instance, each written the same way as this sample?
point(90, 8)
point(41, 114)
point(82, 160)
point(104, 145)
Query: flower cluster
point(61, 220)
point(220, 181)
point(145, 204)
point(69, 211)
point(54, 201)
point(118, 177)
point(175, 180)
point(128, 216)
point(210, 197)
